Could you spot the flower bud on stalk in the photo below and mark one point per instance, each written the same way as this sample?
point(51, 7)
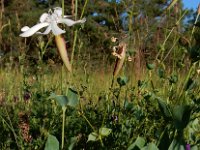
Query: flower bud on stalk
point(60, 43)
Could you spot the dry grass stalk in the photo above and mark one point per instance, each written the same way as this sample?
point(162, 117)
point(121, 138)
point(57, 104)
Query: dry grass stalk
point(2, 97)
point(137, 65)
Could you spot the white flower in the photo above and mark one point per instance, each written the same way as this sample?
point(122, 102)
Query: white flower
point(50, 21)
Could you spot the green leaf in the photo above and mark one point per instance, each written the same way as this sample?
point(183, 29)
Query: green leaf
point(194, 148)
point(191, 84)
point(72, 98)
point(173, 79)
point(139, 143)
point(73, 141)
point(150, 146)
point(181, 115)
point(128, 106)
point(51, 143)
point(93, 137)
point(161, 72)
point(61, 99)
point(164, 109)
point(150, 66)
point(122, 80)
point(164, 139)
point(176, 145)
point(104, 131)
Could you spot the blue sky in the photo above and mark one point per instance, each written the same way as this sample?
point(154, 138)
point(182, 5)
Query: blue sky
point(191, 4)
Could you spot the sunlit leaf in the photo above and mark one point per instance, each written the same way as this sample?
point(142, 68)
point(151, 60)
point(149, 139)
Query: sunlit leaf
point(73, 140)
point(93, 137)
point(139, 143)
point(52, 143)
point(61, 99)
point(72, 98)
point(194, 148)
point(104, 131)
point(150, 146)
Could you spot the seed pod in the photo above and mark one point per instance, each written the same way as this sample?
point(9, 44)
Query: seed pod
point(120, 60)
point(60, 42)
point(198, 11)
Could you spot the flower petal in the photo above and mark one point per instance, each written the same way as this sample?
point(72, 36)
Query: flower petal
point(43, 17)
point(33, 29)
point(25, 28)
point(67, 16)
point(58, 11)
point(55, 29)
point(70, 22)
point(48, 29)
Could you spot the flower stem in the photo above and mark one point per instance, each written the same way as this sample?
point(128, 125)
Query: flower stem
point(76, 31)
point(63, 126)
point(63, 7)
point(74, 45)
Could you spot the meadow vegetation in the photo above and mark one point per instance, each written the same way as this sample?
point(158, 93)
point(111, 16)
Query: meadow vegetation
point(134, 84)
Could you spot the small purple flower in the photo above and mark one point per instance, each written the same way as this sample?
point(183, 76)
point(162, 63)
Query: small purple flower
point(187, 146)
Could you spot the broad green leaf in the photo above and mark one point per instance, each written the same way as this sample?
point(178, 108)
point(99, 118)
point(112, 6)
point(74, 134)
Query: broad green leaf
point(122, 80)
point(194, 148)
point(181, 115)
point(150, 146)
point(176, 145)
point(139, 143)
point(51, 143)
point(105, 131)
point(73, 140)
point(61, 99)
point(72, 98)
point(93, 137)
